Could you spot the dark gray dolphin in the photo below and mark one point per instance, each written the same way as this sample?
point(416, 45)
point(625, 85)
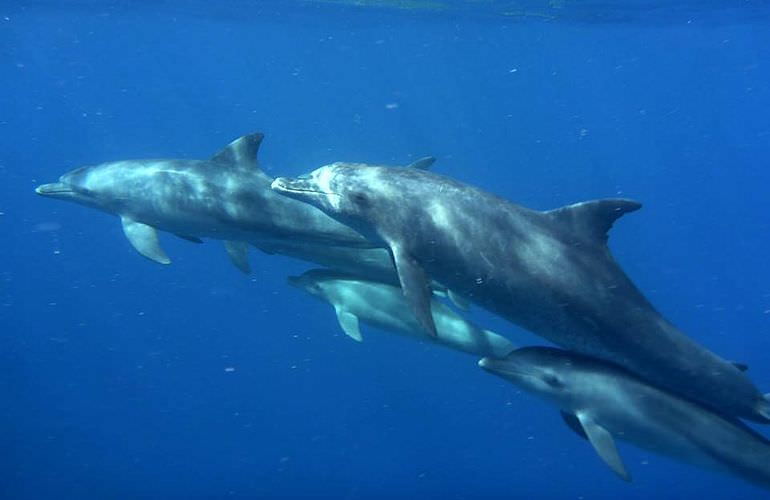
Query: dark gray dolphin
point(226, 197)
point(550, 272)
point(601, 402)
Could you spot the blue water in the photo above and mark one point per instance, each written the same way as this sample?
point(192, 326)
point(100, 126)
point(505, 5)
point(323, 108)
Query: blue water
point(121, 378)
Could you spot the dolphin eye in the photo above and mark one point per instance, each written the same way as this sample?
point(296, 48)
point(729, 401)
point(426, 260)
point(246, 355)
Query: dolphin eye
point(553, 381)
point(361, 198)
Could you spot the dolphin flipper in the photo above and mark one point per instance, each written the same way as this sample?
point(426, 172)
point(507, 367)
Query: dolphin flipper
point(239, 255)
point(423, 163)
point(349, 323)
point(602, 441)
point(144, 239)
point(416, 287)
point(573, 423)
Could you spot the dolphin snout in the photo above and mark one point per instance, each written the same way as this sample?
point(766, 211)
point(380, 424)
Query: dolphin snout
point(53, 189)
point(486, 363)
point(295, 185)
point(281, 184)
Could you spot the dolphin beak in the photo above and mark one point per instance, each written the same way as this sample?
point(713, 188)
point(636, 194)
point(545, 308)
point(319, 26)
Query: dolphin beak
point(486, 363)
point(297, 185)
point(53, 189)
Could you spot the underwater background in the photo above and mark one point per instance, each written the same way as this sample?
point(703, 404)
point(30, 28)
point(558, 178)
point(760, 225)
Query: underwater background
point(121, 378)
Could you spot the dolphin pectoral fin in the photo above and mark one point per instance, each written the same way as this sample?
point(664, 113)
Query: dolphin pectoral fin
point(604, 444)
point(241, 152)
point(423, 163)
point(349, 324)
point(238, 251)
point(416, 287)
point(191, 239)
point(144, 239)
point(573, 423)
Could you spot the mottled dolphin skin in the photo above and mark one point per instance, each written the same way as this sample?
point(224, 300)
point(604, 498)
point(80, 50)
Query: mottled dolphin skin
point(383, 305)
point(226, 197)
point(549, 272)
point(601, 401)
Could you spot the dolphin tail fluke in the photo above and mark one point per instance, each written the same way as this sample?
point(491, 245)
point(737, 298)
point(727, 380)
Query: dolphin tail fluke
point(238, 251)
point(144, 239)
point(241, 152)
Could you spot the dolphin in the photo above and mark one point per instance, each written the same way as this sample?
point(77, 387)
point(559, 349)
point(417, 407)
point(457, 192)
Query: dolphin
point(226, 197)
point(383, 305)
point(600, 402)
point(550, 272)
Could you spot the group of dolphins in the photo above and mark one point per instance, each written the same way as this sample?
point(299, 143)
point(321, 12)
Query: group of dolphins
point(391, 240)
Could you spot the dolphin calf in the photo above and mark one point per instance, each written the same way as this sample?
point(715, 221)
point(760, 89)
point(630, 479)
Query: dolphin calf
point(600, 402)
point(550, 272)
point(226, 197)
point(383, 305)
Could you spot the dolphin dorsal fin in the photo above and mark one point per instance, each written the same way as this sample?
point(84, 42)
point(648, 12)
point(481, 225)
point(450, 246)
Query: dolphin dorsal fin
point(241, 152)
point(423, 163)
point(594, 218)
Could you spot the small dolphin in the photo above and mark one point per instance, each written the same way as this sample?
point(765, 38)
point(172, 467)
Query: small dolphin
point(226, 197)
point(600, 402)
point(549, 272)
point(383, 305)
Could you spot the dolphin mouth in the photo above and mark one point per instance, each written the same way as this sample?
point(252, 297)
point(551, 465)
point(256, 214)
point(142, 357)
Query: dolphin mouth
point(502, 367)
point(53, 189)
point(298, 185)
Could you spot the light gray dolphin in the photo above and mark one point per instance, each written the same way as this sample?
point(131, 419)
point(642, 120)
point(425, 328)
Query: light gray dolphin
point(601, 402)
point(550, 272)
point(226, 197)
point(383, 305)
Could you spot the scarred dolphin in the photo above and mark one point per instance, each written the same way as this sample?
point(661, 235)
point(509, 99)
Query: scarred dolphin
point(550, 272)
